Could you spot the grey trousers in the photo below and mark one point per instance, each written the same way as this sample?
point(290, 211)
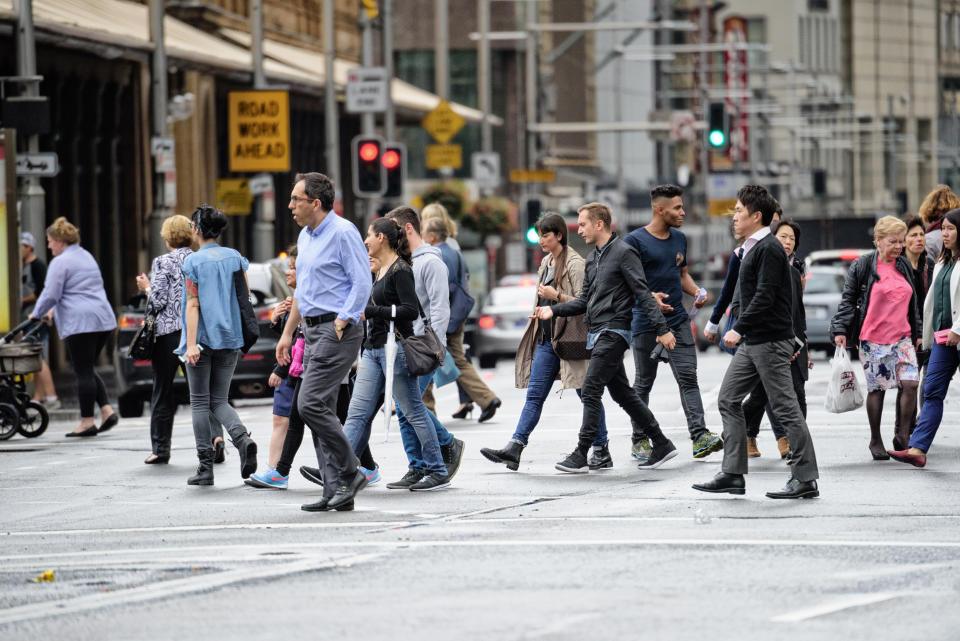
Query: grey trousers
point(326, 362)
point(769, 362)
point(210, 406)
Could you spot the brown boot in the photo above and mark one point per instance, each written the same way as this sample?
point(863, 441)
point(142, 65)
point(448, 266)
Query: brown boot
point(752, 450)
point(783, 444)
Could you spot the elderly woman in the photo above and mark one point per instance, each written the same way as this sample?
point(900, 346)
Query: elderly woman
point(84, 319)
point(932, 210)
point(879, 310)
point(164, 294)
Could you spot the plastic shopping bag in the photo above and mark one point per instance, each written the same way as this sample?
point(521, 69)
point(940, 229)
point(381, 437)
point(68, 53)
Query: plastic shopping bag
point(847, 387)
point(447, 373)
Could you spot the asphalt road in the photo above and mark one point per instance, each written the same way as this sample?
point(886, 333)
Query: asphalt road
point(534, 554)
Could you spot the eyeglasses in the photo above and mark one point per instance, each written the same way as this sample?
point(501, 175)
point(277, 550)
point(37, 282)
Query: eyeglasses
point(296, 199)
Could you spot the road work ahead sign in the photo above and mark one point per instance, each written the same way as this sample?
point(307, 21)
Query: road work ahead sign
point(259, 131)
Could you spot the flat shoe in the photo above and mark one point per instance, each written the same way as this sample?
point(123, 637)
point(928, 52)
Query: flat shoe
point(109, 423)
point(90, 431)
point(156, 459)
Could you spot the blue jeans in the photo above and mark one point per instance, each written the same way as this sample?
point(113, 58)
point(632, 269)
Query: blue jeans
point(411, 444)
point(543, 371)
point(943, 363)
point(369, 389)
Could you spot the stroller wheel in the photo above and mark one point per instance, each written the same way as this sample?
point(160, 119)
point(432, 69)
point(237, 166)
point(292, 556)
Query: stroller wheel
point(9, 421)
point(33, 419)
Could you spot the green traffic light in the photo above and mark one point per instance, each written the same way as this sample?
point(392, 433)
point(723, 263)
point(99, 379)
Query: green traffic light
point(717, 138)
point(532, 236)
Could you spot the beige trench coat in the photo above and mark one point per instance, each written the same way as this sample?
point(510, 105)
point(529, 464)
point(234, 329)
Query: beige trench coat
point(572, 373)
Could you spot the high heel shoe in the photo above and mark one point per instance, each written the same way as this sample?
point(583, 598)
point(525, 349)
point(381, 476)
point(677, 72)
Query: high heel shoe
point(465, 411)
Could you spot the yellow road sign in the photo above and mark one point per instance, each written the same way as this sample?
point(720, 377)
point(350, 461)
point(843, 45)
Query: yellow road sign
point(532, 175)
point(233, 196)
point(721, 206)
point(443, 123)
point(440, 156)
point(259, 123)
point(371, 7)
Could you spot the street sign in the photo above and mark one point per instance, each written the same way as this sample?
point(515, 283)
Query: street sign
point(532, 175)
point(44, 164)
point(722, 192)
point(261, 183)
point(367, 89)
point(162, 150)
point(443, 123)
point(485, 168)
point(682, 126)
point(444, 156)
point(259, 126)
point(233, 196)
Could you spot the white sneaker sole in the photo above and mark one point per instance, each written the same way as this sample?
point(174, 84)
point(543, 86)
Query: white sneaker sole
point(666, 458)
point(572, 470)
point(429, 489)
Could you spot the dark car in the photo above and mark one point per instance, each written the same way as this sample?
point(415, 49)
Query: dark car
point(135, 378)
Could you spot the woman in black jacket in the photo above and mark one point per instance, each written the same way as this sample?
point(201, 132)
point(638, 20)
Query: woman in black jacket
point(878, 311)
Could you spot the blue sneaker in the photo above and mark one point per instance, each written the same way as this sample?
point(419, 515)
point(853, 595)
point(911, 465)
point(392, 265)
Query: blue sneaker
point(373, 476)
point(268, 479)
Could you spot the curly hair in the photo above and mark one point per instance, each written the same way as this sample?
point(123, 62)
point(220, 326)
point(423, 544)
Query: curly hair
point(62, 230)
point(176, 231)
point(937, 203)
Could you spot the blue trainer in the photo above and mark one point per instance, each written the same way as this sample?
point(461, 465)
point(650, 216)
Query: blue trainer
point(373, 476)
point(268, 479)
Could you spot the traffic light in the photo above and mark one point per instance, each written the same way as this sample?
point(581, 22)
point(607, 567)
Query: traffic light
point(534, 209)
point(369, 174)
point(719, 125)
point(395, 164)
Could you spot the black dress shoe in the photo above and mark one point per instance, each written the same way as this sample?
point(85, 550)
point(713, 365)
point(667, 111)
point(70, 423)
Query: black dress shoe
point(347, 490)
point(795, 489)
point(319, 506)
point(110, 422)
point(489, 410)
point(312, 474)
point(90, 431)
point(723, 483)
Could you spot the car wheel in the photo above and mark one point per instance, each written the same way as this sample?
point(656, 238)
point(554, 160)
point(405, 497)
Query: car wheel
point(131, 406)
point(488, 361)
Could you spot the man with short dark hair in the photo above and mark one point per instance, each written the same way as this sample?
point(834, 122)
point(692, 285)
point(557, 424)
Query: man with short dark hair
point(765, 327)
point(663, 251)
point(613, 280)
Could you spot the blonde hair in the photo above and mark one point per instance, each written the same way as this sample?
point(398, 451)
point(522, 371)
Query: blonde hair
point(598, 211)
point(177, 232)
point(63, 231)
point(436, 210)
point(888, 226)
point(937, 203)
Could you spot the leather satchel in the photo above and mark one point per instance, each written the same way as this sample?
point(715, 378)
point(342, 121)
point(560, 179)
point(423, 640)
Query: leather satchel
point(424, 353)
point(141, 347)
point(570, 338)
point(248, 320)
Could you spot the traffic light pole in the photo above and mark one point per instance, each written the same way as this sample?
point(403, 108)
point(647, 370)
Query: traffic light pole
point(265, 212)
point(704, 176)
point(367, 120)
point(158, 86)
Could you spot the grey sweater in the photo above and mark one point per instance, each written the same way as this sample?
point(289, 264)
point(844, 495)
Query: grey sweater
point(433, 290)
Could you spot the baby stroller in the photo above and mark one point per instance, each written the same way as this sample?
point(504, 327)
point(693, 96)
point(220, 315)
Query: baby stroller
point(18, 413)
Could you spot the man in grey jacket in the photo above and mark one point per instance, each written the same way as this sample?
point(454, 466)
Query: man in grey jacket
point(433, 290)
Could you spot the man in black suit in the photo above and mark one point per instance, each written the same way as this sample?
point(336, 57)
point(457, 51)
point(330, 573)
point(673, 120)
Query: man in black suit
point(765, 327)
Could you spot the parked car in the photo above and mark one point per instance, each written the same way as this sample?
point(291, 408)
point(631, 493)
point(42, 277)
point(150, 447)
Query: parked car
point(503, 318)
point(821, 298)
point(833, 257)
point(517, 280)
point(135, 378)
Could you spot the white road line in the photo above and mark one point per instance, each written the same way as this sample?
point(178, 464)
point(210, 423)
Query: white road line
point(560, 625)
point(835, 605)
point(173, 588)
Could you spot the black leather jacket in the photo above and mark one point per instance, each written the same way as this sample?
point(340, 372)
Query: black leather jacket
point(612, 283)
point(856, 299)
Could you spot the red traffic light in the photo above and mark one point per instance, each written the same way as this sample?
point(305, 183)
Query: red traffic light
point(391, 159)
point(369, 151)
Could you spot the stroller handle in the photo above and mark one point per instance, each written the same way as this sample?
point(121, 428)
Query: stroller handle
point(28, 327)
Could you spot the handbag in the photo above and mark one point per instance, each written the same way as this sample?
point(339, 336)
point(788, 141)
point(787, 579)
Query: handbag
point(447, 373)
point(461, 302)
point(248, 320)
point(141, 347)
point(424, 353)
point(731, 321)
point(570, 338)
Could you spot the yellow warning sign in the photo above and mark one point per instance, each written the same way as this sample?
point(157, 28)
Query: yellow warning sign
point(233, 196)
point(440, 156)
point(443, 123)
point(721, 206)
point(259, 123)
point(532, 175)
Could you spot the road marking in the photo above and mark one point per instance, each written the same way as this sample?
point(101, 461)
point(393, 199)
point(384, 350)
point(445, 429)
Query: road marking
point(561, 625)
point(175, 587)
point(835, 605)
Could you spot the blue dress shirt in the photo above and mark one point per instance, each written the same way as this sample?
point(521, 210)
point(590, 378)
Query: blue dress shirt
point(211, 267)
point(74, 290)
point(333, 270)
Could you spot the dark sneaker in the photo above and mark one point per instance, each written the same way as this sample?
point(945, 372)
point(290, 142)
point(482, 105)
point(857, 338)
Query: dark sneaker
point(430, 482)
point(600, 459)
point(641, 449)
point(660, 455)
point(575, 463)
point(411, 478)
point(452, 456)
point(707, 444)
point(312, 474)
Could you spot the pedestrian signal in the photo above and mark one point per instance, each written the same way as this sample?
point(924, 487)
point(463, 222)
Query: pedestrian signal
point(369, 173)
point(718, 126)
point(394, 162)
point(534, 209)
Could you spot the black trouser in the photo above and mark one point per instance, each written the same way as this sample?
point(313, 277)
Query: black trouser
point(163, 403)
point(757, 403)
point(606, 371)
point(83, 350)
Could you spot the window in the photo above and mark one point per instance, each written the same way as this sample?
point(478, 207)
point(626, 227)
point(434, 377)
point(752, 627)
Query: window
point(956, 31)
point(802, 40)
point(756, 34)
point(944, 30)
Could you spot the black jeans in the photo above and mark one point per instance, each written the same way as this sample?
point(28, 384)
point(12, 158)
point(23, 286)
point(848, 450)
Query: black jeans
point(606, 371)
point(757, 403)
point(163, 403)
point(83, 350)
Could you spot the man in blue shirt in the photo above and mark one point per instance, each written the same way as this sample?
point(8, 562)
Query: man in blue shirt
point(663, 252)
point(333, 285)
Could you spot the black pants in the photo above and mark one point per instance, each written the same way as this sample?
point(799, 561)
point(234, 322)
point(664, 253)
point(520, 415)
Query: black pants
point(757, 403)
point(606, 371)
point(83, 350)
point(163, 403)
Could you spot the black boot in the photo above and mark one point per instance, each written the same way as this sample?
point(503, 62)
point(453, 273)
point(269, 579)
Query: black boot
point(204, 475)
point(510, 454)
point(248, 454)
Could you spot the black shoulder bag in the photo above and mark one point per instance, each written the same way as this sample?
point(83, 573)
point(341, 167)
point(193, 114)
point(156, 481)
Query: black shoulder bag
point(248, 320)
point(461, 302)
point(141, 347)
point(424, 353)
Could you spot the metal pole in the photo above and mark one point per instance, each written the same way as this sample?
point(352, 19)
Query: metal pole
point(256, 31)
point(331, 120)
point(368, 121)
point(32, 195)
point(158, 72)
point(389, 116)
point(264, 209)
point(531, 89)
point(442, 47)
point(705, 110)
point(483, 73)
point(618, 138)
point(892, 128)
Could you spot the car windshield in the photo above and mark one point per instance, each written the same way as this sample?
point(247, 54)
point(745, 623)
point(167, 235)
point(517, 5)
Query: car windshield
point(260, 280)
point(824, 283)
point(512, 296)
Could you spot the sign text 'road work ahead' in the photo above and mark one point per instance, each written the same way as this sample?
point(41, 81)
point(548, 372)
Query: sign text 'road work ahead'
point(259, 131)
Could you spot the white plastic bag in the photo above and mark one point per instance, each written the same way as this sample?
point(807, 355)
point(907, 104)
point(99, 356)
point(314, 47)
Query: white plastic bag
point(847, 387)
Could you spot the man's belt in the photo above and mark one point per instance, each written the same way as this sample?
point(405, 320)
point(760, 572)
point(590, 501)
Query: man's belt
point(317, 320)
